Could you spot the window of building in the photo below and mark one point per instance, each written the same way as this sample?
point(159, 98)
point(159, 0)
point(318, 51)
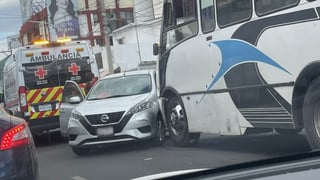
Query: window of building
point(83, 25)
point(98, 41)
point(233, 11)
point(95, 19)
point(112, 20)
point(99, 60)
point(126, 17)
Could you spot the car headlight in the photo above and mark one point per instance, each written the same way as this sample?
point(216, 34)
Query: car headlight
point(76, 115)
point(140, 107)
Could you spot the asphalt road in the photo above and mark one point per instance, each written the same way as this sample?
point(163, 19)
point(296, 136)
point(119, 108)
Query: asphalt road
point(126, 161)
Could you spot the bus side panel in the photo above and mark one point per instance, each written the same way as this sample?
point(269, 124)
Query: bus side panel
point(190, 71)
point(289, 54)
point(268, 46)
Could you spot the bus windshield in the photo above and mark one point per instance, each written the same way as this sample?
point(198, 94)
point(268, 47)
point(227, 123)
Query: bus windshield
point(55, 73)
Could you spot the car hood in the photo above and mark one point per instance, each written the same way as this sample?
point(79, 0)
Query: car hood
point(110, 104)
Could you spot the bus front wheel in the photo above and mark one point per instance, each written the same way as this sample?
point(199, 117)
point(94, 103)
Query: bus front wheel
point(311, 114)
point(178, 124)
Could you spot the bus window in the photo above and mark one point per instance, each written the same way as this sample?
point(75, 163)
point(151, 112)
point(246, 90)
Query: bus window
point(168, 14)
point(230, 12)
point(185, 10)
point(184, 21)
point(207, 16)
point(181, 33)
point(268, 6)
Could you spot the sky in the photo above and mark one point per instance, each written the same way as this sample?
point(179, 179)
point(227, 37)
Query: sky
point(10, 18)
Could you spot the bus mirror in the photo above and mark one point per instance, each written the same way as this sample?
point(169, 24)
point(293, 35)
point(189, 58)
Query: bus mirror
point(155, 49)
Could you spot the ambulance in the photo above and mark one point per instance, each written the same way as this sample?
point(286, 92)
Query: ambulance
point(34, 78)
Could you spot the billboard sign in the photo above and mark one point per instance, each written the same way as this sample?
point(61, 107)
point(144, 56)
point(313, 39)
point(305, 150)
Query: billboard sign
point(63, 18)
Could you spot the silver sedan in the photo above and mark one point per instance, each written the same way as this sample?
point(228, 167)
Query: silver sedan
point(119, 108)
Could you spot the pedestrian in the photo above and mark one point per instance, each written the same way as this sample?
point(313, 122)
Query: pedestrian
point(90, 80)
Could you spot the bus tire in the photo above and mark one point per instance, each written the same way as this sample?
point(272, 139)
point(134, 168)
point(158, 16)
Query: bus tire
point(177, 123)
point(311, 114)
point(287, 132)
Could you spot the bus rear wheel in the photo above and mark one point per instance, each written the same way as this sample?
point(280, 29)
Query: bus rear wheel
point(311, 114)
point(178, 124)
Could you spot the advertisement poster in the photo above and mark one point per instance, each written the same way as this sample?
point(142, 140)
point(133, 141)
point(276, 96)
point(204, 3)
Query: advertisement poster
point(63, 18)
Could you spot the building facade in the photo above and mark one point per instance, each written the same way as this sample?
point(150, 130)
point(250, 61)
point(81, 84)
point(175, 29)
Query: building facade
point(90, 20)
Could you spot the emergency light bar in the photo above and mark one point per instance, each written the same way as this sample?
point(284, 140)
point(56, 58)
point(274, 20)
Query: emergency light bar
point(63, 40)
point(41, 42)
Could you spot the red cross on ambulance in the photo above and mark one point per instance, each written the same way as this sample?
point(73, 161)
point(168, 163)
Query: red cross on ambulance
point(74, 69)
point(41, 72)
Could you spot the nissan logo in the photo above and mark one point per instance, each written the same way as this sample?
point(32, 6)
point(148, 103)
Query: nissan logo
point(104, 118)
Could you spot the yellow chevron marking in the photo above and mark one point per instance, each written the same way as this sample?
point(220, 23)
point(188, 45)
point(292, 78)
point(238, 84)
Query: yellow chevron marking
point(53, 92)
point(34, 115)
point(57, 113)
point(37, 99)
point(30, 94)
point(46, 114)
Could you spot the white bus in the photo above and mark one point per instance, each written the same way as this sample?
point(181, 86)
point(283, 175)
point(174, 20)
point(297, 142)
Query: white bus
point(231, 67)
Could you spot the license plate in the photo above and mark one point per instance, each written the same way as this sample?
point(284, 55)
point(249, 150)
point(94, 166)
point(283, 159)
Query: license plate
point(45, 107)
point(106, 131)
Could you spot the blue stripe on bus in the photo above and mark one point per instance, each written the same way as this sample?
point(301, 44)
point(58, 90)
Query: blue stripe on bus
point(236, 52)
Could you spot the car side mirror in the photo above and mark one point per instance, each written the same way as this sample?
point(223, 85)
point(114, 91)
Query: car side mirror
point(155, 49)
point(75, 100)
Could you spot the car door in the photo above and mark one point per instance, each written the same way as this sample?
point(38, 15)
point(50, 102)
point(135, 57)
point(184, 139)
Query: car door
point(71, 89)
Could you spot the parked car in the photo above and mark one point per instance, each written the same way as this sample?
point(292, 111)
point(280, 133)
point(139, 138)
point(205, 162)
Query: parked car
point(119, 108)
point(17, 150)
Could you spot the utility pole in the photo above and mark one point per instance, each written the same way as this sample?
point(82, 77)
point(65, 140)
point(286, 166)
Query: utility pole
point(106, 31)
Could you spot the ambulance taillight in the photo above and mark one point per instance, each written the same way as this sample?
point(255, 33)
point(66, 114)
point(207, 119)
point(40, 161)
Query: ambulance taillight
point(23, 99)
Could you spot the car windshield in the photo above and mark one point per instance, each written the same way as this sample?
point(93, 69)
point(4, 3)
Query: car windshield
point(126, 85)
point(121, 89)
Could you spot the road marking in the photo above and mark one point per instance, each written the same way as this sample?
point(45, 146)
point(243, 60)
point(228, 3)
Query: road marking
point(78, 178)
point(148, 159)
